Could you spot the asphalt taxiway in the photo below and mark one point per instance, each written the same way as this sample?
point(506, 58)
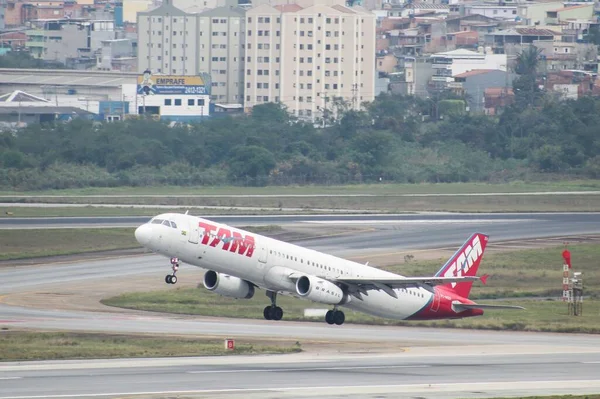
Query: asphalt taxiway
point(432, 363)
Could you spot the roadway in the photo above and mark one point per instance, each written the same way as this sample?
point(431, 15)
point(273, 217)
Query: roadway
point(438, 363)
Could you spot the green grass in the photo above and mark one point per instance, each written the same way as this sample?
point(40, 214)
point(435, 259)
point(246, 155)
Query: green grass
point(25, 345)
point(523, 276)
point(35, 243)
point(32, 243)
point(377, 203)
point(91, 211)
point(378, 189)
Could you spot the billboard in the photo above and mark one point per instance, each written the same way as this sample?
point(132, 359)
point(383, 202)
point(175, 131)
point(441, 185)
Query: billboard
point(171, 84)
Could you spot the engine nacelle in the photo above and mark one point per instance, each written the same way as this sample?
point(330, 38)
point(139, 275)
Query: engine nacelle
point(226, 285)
point(318, 290)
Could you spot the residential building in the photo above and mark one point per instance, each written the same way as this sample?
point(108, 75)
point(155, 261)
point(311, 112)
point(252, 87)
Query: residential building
point(475, 82)
point(511, 41)
point(117, 55)
point(221, 52)
point(449, 64)
point(534, 13)
point(560, 15)
point(496, 98)
point(168, 41)
point(558, 55)
point(499, 10)
point(173, 42)
point(132, 7)
point(198, 6)
point(307, 54)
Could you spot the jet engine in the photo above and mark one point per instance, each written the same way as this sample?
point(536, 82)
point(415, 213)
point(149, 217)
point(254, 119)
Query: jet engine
point(226, 285)
point(318, 290)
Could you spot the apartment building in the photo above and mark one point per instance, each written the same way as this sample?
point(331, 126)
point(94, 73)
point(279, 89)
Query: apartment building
point(221, 52)
point(306, 54)
point(173, 42)
point(168, 41)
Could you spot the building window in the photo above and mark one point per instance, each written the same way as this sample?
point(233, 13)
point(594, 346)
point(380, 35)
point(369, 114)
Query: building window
point(191, 102)
point(167, 101)
point(201, 102)
point(177, 101)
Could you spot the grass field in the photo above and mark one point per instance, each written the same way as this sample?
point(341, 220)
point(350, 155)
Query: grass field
point(90, 211)
point(377, 189)
point(519, 278)
point(25, 345)
point(372, 203)
point(32, 243)
point(35, 243)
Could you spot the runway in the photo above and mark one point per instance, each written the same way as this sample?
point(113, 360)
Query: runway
point(436, 363)
point(401, 375)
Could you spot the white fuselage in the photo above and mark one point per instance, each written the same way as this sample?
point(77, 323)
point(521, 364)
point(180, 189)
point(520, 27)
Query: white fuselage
point(226, 250)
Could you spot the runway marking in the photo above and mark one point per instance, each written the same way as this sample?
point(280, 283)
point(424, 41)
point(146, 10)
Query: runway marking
point(10, 378)
point(448, 387)
point(304, 369)
point(598, 362)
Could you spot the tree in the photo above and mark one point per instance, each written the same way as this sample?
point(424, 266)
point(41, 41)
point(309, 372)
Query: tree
point(251, 162)
point(525, 86)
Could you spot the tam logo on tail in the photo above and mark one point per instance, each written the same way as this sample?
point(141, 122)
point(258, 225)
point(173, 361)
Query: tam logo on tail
point(465, 262)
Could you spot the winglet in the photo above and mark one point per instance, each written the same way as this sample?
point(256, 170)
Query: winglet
point(484, 278)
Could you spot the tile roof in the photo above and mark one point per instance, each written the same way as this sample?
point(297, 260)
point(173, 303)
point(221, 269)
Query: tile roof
point(474, 72)
point(288, 7)
point(536, 32)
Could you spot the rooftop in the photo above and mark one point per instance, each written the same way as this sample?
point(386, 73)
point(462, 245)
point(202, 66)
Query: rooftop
point(40, 77)
point(474, 72)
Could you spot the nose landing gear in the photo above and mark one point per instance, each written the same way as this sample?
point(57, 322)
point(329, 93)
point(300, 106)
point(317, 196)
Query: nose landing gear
point(172, 278)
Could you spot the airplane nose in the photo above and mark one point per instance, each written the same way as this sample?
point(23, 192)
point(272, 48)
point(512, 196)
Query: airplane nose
point(143, 234)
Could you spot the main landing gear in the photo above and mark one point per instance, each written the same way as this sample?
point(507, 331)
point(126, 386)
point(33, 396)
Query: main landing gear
point(272, 312)
point(171, 278)
point(335, 317)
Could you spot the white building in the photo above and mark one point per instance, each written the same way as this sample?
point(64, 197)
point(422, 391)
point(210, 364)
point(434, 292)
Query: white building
point(173, 42)
point(502, 10)
point(175, 98)
point(303, 55)
point(448, 64)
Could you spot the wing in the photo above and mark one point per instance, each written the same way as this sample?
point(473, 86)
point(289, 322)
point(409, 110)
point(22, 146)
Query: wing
point(361, 285)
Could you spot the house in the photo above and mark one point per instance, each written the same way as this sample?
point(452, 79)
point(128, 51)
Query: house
point(474, 83)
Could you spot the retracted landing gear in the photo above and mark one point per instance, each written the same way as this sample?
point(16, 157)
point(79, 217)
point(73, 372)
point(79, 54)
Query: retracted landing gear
point(273, 312)
point(172, 278)
point(335, 317)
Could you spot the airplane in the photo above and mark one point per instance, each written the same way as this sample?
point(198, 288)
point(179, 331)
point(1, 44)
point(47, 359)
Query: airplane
point(238, 262)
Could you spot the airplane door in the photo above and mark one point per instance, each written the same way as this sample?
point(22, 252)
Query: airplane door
point(262, 256)
point(194, 233)
point(436, 301)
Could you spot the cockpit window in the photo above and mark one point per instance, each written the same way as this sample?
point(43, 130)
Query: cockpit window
point(173, 225)
point(157, 221)
point(167, 223)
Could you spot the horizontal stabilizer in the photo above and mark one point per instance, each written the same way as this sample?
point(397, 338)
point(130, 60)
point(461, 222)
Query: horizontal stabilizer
point(462, 306)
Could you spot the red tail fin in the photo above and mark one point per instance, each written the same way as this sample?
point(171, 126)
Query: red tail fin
point(465, 262)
